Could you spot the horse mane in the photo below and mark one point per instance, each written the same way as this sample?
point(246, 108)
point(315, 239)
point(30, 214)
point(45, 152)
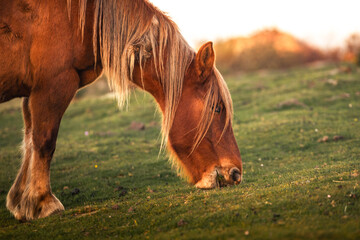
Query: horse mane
point(129, 30)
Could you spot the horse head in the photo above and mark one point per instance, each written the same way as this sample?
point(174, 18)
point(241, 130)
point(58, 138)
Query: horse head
point(200, 135)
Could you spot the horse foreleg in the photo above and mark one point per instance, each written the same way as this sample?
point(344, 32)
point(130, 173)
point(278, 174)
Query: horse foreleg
point(47, 107)
point(17, 189)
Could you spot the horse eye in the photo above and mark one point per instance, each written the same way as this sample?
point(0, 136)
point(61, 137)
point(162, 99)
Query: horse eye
point(217, 108)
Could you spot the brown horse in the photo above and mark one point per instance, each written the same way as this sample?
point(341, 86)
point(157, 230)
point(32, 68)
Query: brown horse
point(50, 49)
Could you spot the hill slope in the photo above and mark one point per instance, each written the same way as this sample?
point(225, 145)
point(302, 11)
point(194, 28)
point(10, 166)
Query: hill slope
point(266, 49)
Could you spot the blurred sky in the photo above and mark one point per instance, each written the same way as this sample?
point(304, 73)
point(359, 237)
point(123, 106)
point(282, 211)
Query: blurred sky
point(319, 22)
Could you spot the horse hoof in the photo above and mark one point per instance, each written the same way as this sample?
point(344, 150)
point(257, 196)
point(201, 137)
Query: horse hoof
point(33, 207)
point(12, 202)
point(50, 207)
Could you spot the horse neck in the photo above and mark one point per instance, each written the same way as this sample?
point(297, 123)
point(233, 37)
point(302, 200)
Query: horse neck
point(147, 81)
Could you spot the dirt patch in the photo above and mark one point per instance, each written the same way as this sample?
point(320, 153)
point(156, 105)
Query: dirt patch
point(137, 126)
point(291, 103)
point(328, 139)
point(337, 97)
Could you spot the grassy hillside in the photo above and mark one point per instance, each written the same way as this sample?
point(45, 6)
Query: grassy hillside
point(295, 185)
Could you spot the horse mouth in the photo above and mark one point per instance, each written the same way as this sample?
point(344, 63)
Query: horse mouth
point(219, 178)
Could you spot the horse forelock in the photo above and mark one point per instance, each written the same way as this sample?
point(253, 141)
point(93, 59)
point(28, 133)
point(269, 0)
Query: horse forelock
point(125, 28)
point(217, 92)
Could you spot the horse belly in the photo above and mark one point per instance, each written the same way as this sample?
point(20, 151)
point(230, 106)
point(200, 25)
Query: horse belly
point(13, 71)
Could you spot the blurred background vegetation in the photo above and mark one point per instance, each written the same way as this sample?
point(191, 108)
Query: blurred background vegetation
point(274, 49)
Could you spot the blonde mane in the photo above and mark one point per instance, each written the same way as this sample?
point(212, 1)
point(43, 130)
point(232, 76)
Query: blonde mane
point(130, 30)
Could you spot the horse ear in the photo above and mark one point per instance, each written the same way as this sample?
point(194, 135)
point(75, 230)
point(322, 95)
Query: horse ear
point(205, 59)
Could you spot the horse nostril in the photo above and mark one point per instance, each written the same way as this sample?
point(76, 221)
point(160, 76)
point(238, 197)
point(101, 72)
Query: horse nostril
point(235, 175)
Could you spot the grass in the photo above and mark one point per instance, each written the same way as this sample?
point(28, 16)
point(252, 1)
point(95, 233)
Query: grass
point(295, 187)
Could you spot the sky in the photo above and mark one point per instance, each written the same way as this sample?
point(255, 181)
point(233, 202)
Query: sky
point(321, 23)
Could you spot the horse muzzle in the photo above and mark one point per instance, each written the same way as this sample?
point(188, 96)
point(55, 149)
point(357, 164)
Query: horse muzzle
point(220, 177)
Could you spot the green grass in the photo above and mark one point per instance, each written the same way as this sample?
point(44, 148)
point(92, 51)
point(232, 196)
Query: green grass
point(294, 186)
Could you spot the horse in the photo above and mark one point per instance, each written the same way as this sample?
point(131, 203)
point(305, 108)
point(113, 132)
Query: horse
point(50, 49)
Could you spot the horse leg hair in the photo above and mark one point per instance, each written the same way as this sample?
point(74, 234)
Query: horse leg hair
point(16, 191)
point(47, 106)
